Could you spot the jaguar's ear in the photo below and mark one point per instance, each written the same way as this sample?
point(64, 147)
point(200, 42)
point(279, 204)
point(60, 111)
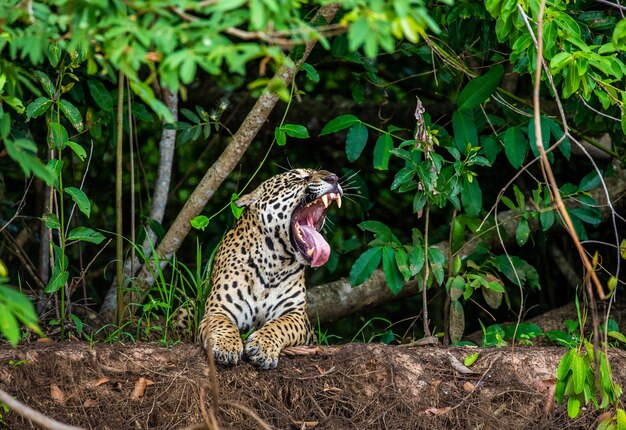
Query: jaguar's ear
point(247, 199)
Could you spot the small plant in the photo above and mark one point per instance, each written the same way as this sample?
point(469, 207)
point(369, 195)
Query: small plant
point(583, 374)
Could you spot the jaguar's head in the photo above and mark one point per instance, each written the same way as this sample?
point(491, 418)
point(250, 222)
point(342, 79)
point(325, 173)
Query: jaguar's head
point(293, 206)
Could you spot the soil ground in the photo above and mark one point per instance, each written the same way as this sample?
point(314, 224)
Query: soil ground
point(349, 387)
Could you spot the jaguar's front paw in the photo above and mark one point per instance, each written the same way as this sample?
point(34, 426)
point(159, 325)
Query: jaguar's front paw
point(261, 351)
point(226, 350)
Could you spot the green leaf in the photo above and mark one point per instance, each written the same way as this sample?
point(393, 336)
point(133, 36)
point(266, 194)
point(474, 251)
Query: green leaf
point(46, 83)
point(515, 147)
point(38, 107)
point(280, 136)
point(464, 129)
point(403, 176)
point(100, 94)
point(311, 73)
point(199, 222)
point(236, 210)
point(545, 134)
point(471, 359)
point(340, 123)
point(457, 287)
point(522, 232)
point(57, 135)
point(71, 112)
point(573, 406)
point(85, 234)
point(590, 181)
point(472, 197)
point(58, 280)
point(365, 265)
point(8, 325)
point(51, 221)
point(480, 89)
point(402, 261)
point(147, 95)
point(80, 198)
point(617, 335)
point(578, 373)
point(381, 230)
point(24, 152)
point(295, 130)
point(392, 274)
point(382, 151)
point(436, 260)
point(190, 115)
point(77, 149)
point(355, 141)
point(416, 260)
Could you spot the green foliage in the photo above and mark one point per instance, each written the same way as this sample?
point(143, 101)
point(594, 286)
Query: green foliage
point(15, 310)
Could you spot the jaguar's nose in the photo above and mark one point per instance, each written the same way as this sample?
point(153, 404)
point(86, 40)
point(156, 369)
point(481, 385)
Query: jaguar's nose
point(331, 179)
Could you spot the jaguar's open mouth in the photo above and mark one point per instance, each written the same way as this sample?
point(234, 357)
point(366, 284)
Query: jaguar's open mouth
point(306, 223)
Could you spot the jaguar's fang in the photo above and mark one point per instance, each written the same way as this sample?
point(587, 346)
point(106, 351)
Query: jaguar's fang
point(325, 200)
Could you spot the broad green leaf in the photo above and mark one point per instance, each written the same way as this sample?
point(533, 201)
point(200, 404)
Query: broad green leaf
point(545, 134)
point(464, 129)
point(191, 116)
point(8, 325)
point(51, 221)
point(46, 83)
point(621, 414)
point(14, 102)
point(565, 365)
point(280, 136)
point(381, 230)
point(471, 359)
point(419, 201)
point(57, 281)
point(200, 222)
point(416, 260)
point(295, 130)
point(147, 95)
point(38, 107)
point(100, 94)
point(355, 141)
point(71, 112)
point(402, 261)
point(311, 73)
point(236, 210)
point(24, 152)
point(403, 176)
point(480, 89)
point(365, 265)
point(85, 234)
point(457, 287)
point(436, 260)
point(573, 406)
point(590, 181)
point(515, 146)
point(77, 149)
point(617, 335)
point(81, 200)
point(522, 232)
point(340, 123)
point(472, 197)
point(382, 151)
point(57, 135)
point(578, 372)
point(392, 274)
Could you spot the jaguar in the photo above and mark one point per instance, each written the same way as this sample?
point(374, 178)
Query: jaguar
point(258, 275)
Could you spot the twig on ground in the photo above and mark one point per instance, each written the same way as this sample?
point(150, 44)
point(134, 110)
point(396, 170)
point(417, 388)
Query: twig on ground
point(31, 414)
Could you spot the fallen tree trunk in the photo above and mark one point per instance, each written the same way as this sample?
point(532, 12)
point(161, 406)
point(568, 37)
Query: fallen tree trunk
point(337, 299)
point(349, 387)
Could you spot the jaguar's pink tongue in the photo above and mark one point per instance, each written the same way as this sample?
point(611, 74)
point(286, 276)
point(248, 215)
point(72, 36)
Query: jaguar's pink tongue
point(315, 241)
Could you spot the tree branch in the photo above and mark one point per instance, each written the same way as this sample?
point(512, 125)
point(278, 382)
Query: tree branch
point(33, 415)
